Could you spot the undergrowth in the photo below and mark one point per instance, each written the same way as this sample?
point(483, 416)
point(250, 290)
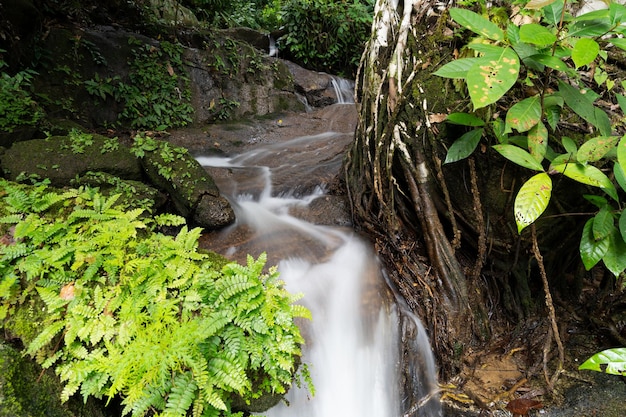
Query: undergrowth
point(129, 311)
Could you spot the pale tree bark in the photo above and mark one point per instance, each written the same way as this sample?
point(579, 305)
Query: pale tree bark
point(391, 183)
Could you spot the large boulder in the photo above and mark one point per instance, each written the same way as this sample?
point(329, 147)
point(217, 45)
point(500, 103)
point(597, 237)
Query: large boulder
point(61, 159)
point(192, 191)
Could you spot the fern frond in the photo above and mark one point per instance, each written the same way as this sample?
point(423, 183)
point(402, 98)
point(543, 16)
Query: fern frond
point(168, 219)
point(230, 286)
point(181, 396)
point(44, 337)
point(11, 218)
point(228, 375)
point(298, 310)
point(12, 252)
point(51, 297)
point(215, 400)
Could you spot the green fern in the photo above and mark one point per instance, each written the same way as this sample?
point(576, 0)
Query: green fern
point(131, 312)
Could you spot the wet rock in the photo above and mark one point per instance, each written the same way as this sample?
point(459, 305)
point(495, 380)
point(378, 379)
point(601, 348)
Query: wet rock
point(192, 191)
point(62, 158)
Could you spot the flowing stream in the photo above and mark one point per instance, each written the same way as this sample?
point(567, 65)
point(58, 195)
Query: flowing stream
point(353, 342)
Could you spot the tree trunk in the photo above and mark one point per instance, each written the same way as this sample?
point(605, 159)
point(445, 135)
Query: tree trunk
point(390, 172)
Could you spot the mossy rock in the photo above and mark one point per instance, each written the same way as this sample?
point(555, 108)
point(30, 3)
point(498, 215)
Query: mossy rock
point(63, 158)
point(26, 391)
point(193, 192)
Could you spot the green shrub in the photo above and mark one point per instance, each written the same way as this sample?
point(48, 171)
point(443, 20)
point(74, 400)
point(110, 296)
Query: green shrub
point(122, 309)
point(157, 94)
point(325, 35)
point(17, 107)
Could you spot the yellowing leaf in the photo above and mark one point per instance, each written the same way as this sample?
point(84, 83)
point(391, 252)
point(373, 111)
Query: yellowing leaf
point(524, 115)
point(492, 76)
point(594, 149)
point(587, 174)
point(532, 200)
point(538, 4)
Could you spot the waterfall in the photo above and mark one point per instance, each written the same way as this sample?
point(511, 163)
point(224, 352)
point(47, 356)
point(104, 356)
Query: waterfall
point(344, 90)
point(353, 344)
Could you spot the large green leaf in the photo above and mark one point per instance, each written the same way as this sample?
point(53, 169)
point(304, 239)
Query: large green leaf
point(492, 76)
point(617, 13)
point(536, 34)
point(532, 200)
point(550, 61)
point(603, 223)
point(591, 28)
point(538, 141)
point(456, 69)
point(610, 361)
point(553, 12)
point(594, 149)
point(587, 174)
point(582, 104)
point(615, 257)
point(619, 42)
point(518, 155)
point(477, 23)
point(524, 114)
point(463, 146)
point(591, 250)
point(585, 52)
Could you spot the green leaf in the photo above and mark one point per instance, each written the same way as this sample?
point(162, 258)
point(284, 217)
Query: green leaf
point(620, 175)
point(464, 119)
point(492, 76)
point(622, 225)
point(536, 34)
point(532, 200)
point(621, 100)
point(591, 250)
point(615, 257)
point(519, 156)
point(595, 149)
point(569, 145)
point(464, 146)
point(619, 42)
point(477, 23)
point(610, 361)
point(590, 28)
point(602, 223)
point(550, 61)
point(582, 104)
point(457, 68)
point(589, 175)
point(538, 141)
point(552, 11)
point(524, 115)
point(617, 13)
point(585, 52)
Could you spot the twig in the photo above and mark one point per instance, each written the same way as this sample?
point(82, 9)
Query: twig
point(551, 312)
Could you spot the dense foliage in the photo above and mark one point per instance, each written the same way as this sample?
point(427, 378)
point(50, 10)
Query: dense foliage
point(326, 35)
point(156, 94)
point(547, 56)
point(17, 106)
point(119, 308)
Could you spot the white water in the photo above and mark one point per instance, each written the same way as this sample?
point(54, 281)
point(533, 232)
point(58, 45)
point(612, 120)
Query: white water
point(353, 341)
point(344, 90)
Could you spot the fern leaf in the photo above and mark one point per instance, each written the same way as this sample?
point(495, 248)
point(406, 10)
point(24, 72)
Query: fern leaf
point(228, 375)
point(44, 337)
point(51, 297)
point(215, 400)
point(11, 219)
point(168, 219)
point(298, 310)
point(181, 396)
point(15, 251)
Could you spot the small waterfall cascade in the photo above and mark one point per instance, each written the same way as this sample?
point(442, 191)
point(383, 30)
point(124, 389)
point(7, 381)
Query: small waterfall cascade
point(344, 90)
point(273, 46)
point(353, 344)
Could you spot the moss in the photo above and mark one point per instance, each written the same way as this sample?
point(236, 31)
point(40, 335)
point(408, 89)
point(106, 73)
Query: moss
point(27, 391)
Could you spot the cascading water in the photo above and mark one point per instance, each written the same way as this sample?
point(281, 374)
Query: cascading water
point(344, 90)
point(353, 343)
